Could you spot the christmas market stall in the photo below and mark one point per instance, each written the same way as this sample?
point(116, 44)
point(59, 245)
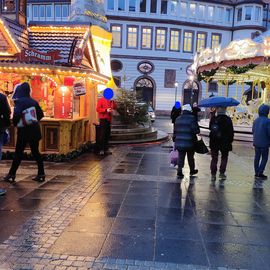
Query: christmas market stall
point(242, 63)
point(65, 64)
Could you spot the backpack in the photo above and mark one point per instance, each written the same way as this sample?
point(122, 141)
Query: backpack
point(215, 130)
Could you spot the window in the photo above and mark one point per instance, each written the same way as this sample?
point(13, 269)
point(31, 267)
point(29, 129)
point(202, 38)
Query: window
point(132, 37)
point(183, 7)
point(132, 5)
point(248, 11)
point(35, 12)
point(163, 6)
point(210, 13)
point(153, 8)
point(228, 14)
point(160, 39)
point(201, 12)
point(188, 41)
point(239, 14)
point(174, 40)
point(216, 39)
point(201, 41)
point(174, 5)
point(170, 78)
point(28, 12)
point(192, 10)
point(257, 14)
point(58, 12)
point(49, 15)
point(220, 14)
point(116, 65)
point(41, 12)
point(142, 5)
point(116, 35)
point(121, 5)
point(110, 4)
point(146, 38)
point(65, 12)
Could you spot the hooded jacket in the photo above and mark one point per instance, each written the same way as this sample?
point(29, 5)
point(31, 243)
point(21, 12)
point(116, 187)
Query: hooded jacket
point(23, 100)
point(4, 113)
point(261, 128)
point(185, 130)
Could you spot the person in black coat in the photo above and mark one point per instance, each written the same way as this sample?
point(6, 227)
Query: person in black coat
point(221, 138)
point(185, 131)
point(26, 134)
point(4, 124)
point(176, 111)
point(196, 110)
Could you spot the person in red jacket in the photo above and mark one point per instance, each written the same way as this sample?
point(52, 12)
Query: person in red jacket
point(105, 107)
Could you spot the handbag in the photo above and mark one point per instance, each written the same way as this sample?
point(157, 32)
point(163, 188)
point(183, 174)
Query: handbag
point(174, 156)
point(6, 137)
point(200, 147)
point(28, 118)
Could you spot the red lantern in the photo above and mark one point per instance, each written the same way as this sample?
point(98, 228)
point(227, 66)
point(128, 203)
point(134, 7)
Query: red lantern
point(69, 81)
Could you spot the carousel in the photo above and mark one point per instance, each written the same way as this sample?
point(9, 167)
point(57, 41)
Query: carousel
point(65, 64)
point(244, 63)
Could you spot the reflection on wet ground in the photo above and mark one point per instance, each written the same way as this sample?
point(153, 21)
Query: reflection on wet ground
point(130, 206)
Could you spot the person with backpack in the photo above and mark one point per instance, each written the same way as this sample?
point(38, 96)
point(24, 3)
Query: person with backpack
point(28, 130)
point(4, 124)
point(221, 138)
point(185, 134)
point(261, 142)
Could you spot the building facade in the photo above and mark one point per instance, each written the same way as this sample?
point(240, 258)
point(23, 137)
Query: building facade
point(155, 41)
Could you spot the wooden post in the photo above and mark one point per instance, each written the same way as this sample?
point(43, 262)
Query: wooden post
point(227, 89)
point(207, 88)
point(252, 89)
point(243, 89)
point(259, 89)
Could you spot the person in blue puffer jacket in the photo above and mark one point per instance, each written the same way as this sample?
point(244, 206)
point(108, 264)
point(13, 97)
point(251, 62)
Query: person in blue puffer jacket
point(185, 130)
point(27, 134)
point(261, 142)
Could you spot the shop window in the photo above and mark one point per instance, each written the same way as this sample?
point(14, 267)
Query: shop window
point(220, 11)
point(192, 10)
point(121, 5)
point(117, 81)
point(210, 13)
point(164, 7)
point(174, 40)
point(146, 38)
point(110, 4)
point(201, 41)
point(258, 12)
point(35, 13)
point(201, 12)
point(215, 40)
point(188, 41)
point(228, 14)
point(28, 12)
point(160, 39)
point(58, 12)
point(183, 6)
point(239, 14)
point(42, 13)
point(142, 5)
point(116, 65)
point(132, 37)
point(174, 5)
point(132, 5)
point(248, 12)
point(153, 8)
point(116, 36)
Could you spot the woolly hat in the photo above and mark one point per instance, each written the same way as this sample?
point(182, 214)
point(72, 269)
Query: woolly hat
point(187, 107)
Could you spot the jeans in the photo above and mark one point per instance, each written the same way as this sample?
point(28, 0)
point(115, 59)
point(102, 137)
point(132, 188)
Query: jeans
point(105, 133)
point(20, 146)
point(214, 161)
point(1, 144)
point(181, 160)
point(260, 160)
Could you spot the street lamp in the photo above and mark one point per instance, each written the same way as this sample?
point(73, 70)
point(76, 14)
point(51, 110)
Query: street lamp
point(176, 86)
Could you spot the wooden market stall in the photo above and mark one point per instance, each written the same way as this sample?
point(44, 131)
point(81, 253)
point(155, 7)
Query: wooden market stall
point(64, 64)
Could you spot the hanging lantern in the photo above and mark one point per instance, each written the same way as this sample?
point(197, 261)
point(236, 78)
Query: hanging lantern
point(69, 81)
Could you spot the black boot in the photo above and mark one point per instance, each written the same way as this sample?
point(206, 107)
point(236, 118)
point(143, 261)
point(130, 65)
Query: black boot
point(9, 178)
point(39, 178)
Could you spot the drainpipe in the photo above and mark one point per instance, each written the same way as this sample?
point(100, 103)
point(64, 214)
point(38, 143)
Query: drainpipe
point(233, 22)
point(267, 16)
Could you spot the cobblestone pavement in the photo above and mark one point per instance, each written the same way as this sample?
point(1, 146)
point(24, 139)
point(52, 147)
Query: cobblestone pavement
point(127, 211)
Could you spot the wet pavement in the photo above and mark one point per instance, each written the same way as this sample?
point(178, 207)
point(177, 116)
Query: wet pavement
point(128, 211)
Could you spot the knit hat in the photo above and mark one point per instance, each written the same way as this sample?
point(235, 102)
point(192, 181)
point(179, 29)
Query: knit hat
point(187, 107)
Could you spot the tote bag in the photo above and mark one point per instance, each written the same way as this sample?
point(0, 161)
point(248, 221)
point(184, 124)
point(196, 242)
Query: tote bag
point(29, 117)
